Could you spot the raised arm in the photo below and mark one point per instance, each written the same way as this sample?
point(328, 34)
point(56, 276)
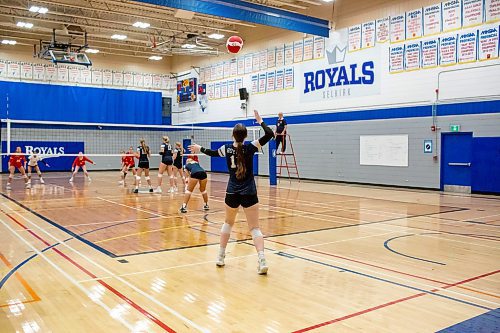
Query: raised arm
point(268, 132)
point(195, 149)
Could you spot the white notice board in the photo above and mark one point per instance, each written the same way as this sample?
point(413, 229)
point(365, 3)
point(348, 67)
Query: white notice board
point(386, 150)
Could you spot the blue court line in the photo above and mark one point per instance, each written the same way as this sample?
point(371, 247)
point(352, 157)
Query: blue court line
point(488, 322)
point(25, 261)
point(386, 245)
point(292, 256)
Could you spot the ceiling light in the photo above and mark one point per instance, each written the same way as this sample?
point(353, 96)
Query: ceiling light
point(36, 9)
point(153, 57)
point(120, 37)
point(216, 36)
point(141, 25)
point(92, 51)
point(188, 46)
point(9, 42)
point(25, 25)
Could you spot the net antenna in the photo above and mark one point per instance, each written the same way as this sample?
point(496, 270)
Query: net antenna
point(65, 53)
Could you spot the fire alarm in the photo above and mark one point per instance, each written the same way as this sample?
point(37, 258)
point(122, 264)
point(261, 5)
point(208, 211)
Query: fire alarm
point(433, 128)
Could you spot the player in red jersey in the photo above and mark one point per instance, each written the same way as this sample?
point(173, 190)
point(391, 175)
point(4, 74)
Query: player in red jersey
point(17, 161)
point(127, 164)
point(78, 163)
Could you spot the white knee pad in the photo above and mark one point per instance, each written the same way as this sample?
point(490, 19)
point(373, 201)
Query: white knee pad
point(138, 178)
point(29, 174)
point(171, 177)
point(226, 228)
point(25, 176)
point(160, 175)
point(147, 178)
point(187, 192)
point(204, 192)
point(256, 233)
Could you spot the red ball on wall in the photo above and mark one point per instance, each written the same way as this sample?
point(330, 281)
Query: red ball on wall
point(234, 44)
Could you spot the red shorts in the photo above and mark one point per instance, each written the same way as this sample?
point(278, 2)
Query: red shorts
point(17, 165)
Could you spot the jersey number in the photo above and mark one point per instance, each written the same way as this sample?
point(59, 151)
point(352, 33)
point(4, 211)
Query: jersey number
point(233, 165)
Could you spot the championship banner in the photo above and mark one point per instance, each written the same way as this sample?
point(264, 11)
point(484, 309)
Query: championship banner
point(241, 65)
point(217, 90)
point(289, 78)
point(62, 73)
point(452, 15)
point(414, 24)
point(467, 47)
point(219, 72)
point(233, 67)
point(262, 83)
point(255, 83)
point(448, 50)
point(223, 89)
point(429, 53)
point(26, 71)
point(39, 72)
point(492, 10)
point(319, 47)
point(271, 78)
point(368, 34)
point(289, 54)
point(239, 84)
point(412, 56)
point(85, 76)
point(97, 77)
point(128, 79)
point(202, 75)
point(157, 81)
point(396, 59)
point(3, 69)
point(210, 91)
point(118, 79)
point(308, 49)
point(298, 51)
point(354, 38)
point(148, 81)
point(271, 57)
point(231, 84)
point(73, 74)
point(382, 30)
point(248, 64)
point(432, 20)
point(280, 79)
point(472, 13)
point(280, 56)
point(488, 43)
point(263, 60)
point(397, 28)
point(107, 78)
point(226, 69)
point(255, 62)
point(213, 72)
point(208, 74)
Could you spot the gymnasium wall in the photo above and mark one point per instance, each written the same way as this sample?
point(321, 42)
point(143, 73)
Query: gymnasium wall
point(326, 124)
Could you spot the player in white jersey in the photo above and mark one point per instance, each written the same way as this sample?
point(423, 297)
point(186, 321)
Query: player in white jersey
point(33, 161)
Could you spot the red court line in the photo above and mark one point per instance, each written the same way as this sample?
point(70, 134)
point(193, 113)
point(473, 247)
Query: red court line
point(355, 314)
point(93, 276)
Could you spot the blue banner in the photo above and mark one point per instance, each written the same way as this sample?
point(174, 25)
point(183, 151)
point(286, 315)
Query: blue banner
point(51, 151)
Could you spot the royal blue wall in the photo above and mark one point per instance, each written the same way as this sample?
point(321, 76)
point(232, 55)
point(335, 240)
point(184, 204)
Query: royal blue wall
point(30, 101)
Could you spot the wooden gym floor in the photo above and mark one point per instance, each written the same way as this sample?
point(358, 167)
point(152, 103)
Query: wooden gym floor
point(93, 257)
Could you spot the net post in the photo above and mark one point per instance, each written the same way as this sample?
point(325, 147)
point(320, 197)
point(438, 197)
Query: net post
point(8, 136)
point(272, 163)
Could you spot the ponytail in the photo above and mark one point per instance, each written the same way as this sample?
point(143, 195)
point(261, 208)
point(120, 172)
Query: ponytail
point(241, 167)
point(145, 148)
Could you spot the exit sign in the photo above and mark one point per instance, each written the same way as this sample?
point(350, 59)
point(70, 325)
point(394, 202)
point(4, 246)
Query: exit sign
point(455, 128)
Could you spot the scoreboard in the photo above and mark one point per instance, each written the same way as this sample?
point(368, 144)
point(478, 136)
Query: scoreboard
point(186, 90)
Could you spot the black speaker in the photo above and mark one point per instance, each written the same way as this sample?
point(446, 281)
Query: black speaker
point(243, 94)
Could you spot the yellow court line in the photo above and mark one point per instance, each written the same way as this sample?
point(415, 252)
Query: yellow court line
point(479, 292)
point(31, 292)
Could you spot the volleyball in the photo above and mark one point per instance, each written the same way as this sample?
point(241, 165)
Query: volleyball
point(234, 44)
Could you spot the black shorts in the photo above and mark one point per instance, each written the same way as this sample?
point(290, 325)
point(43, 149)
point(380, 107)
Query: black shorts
point(178, 165)
point(167, 161)
point(199, 175)
point(143, 165)
point(234, 200)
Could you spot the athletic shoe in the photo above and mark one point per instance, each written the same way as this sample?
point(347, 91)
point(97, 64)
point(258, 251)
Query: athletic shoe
point(29, 181)
point(121, 182)
point(171, 190)
point(89, 179)
point(159, 190)
point(8, 187)
point(176, 189)
point(28, 185)
point(42, 181)
point(183, 209)
point(206, 207)
point(136, 190)
point(71, 180)
point(262, 269)
point(220, 260)
point(150, 190)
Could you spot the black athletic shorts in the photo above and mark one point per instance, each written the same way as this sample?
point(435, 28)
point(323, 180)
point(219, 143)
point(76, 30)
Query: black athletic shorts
point(143, 165)
point(200, 175)
point(167, 160)
point(234, 200)
point(178, 165)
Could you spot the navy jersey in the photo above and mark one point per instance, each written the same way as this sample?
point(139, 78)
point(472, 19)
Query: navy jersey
point(143, 155)
point(280, 126)
point(245, 186)
point(194, 168)
point(178, 158)
point(166, 150)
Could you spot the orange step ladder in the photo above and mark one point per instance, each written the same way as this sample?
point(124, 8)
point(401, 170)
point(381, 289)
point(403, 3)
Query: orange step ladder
point(290, 166)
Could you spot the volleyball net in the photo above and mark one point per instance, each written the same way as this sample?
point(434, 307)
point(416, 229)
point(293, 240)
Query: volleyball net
point(59, 142)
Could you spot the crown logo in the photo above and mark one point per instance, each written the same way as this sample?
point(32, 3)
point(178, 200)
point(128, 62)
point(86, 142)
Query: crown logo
point(337, 55)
